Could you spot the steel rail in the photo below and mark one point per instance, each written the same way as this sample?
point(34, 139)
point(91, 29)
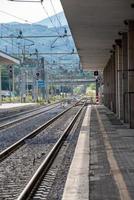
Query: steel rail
point(44, 167)
point(6, 125)
point(8, 151)
point(19, 113)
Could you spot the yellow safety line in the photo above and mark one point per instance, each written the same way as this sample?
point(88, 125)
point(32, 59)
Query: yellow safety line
point(118, 177)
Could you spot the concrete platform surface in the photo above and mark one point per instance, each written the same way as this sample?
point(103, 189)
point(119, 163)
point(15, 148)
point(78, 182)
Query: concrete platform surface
point(77, 184)
point(103, 164)
point(14, 105)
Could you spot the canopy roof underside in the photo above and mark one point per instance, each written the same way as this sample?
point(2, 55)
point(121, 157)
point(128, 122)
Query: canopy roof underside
point(95, 25)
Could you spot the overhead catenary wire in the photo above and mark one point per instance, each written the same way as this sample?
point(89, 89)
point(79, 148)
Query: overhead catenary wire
point(55, 53)
point(59, 22)
point(55, 13)
point(9, 30)
point(20, 18)
point(34, 36)
point(39, 1)
point(67, 40)
point(50, 19)
point(29, 1)
point(7, 13)
point(24, 20)
point(3, 38)
point(56, 29)
point(9, 42)
point(27, 21)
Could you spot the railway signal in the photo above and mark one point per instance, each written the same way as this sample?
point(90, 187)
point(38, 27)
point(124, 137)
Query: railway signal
point(10, 71)
point(96, 73)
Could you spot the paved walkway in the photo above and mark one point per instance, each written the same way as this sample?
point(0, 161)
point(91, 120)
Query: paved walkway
point(107, 173)
point(76, 187)
point(14, 105)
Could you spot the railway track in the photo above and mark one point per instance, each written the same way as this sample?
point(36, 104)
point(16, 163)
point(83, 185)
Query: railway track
point(8, 116)
point(44, 175)
point(5, 153)
point(15, 110)
point(26, 116)
point(11, 164)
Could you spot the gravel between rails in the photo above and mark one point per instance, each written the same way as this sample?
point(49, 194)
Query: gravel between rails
point(12, 134)
point(17, 170)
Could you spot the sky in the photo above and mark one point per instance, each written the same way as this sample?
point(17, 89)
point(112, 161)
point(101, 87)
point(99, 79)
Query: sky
point(27, 12)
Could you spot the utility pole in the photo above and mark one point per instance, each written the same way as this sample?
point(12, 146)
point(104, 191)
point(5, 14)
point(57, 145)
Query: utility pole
point(37, 74)
point(46, 80)
point(22, 85)
point(13, 83)
point(0, 87)
point(26, 74)
point(34, 86)
point(44, 76)
point(96, 74)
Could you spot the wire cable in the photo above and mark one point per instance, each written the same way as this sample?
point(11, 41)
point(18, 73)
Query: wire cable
point(55, 13)
point(7, 13)
point(50, 19)
point(67, 40)
point(57, 17)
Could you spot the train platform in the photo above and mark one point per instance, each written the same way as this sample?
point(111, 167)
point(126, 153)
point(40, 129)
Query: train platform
point(103, 164)
point(14, 105)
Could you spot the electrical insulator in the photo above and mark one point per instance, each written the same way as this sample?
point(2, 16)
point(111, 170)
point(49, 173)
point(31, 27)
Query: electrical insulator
point(37, 75)
point(65, 31)
point(36, 51)
point(20, 35)
point(72, 51)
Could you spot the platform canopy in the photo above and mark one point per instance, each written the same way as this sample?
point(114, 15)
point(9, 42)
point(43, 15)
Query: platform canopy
point(95, 25)
point(7, 59)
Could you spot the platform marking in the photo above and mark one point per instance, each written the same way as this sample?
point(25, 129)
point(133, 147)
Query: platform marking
point(118, 177)
point(77, 183)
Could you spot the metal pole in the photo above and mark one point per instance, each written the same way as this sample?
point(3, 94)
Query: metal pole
point(27, 84)
point(97, 91)
point(37, 91)
point(0, 86)
point(46, 80)
point(37, 56)
point(13, 82)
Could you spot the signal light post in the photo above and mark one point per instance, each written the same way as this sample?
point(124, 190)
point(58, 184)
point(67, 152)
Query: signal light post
point(0, 87)
point(11, 79)
point(97, 86)
point(37, 91)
